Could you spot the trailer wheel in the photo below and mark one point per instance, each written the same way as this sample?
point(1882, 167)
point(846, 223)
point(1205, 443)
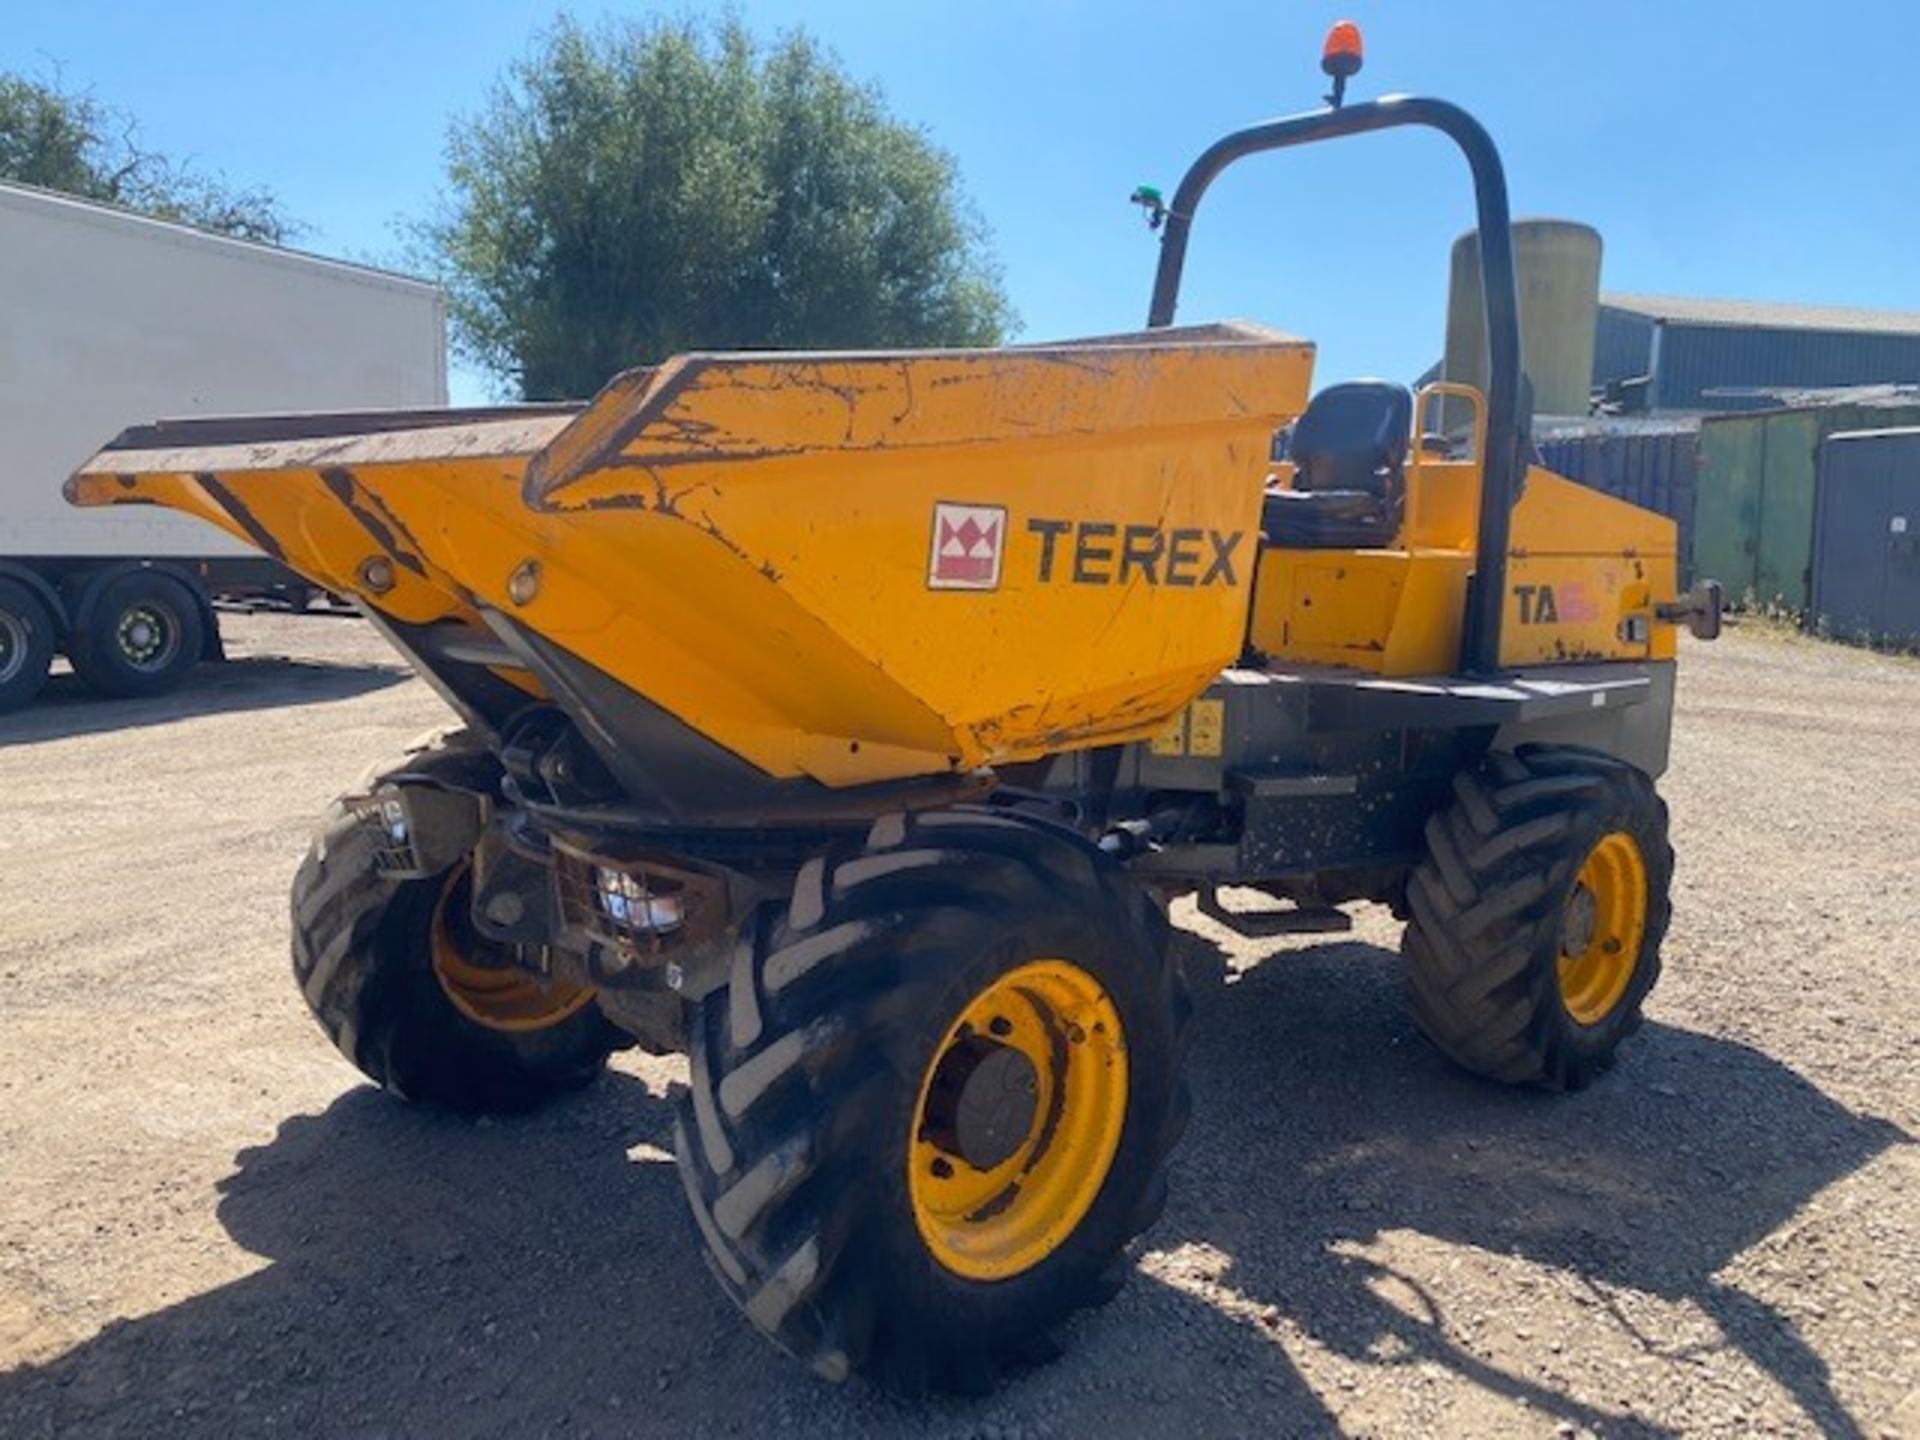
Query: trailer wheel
point(422, 1004)
point(935, 1100)
point(143, 632)
point(1537, 915)
point(26, 645)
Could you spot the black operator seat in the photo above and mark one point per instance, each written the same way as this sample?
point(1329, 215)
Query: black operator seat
point(1349, 453)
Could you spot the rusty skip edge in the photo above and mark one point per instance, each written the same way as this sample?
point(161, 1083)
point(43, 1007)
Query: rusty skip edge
point(315, 442)
point(562, 442)
point(641, 400)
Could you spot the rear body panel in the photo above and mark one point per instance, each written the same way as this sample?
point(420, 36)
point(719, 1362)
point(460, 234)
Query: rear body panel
point(1584, 573)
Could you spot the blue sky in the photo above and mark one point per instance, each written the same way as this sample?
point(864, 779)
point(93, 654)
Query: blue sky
point(1760, 150)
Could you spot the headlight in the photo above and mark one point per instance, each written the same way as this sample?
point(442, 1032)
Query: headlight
point(639, 902)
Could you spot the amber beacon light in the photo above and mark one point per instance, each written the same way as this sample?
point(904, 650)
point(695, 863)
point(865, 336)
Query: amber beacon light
point(1341, 57)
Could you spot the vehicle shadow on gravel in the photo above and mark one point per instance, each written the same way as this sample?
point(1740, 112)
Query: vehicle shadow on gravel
point(430, 1276)
point(424, 1275)
point(67, 708)
point(1693, 1150)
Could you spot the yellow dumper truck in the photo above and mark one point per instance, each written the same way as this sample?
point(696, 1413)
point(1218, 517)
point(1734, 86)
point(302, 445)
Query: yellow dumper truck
point(846, 722)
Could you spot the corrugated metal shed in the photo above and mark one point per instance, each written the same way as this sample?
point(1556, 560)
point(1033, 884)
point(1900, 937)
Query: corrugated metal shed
point(1764, 314)
point(1622, 345)
point(1704, 354)
point(1754, 506)
point(1647, 461)
point(1866, 548)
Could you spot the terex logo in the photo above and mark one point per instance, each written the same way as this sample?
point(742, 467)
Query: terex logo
point(968, 541)
point(1096, 552)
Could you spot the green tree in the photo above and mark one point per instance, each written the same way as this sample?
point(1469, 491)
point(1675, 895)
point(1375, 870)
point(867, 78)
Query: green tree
point(648, 188)
point(68, 141)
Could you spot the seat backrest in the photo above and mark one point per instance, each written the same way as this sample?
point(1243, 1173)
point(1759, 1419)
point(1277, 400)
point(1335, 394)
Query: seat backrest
point(1353, 437)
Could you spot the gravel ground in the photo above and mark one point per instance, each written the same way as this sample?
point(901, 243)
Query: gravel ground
point(209, 1226)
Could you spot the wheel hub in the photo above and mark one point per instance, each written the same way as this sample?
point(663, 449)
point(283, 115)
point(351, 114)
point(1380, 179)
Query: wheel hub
point(145, 637)
point(1576, 930)
point(1602, 927)
point(1020, 1114)
point(982, 1104)
point(481, 981)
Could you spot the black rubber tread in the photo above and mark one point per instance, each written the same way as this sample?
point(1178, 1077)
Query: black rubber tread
point(31, 677)
point(95, 652)
point(1486, 905)
point(361, 958)
point(805, 1070)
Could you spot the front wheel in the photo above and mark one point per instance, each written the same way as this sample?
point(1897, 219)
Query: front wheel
point(1537, 915)
point(935, 1101)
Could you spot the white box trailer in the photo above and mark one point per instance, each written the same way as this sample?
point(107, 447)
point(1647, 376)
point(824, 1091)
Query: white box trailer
point(107, 318)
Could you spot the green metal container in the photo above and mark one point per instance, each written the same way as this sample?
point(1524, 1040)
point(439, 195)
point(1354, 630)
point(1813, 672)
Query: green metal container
point(1753, 509)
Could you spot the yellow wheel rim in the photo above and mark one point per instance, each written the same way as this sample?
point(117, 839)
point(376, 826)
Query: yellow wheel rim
point(1604, 923)
point(498, 995)
point(1019, 1116)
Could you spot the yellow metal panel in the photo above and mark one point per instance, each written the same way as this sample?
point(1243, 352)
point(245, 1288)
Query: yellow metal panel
point(1427, 625)
point(1344, 601)
point(302, 524)
point(1556, 516)
point(1385, 611)
point(1267, 620)
point(1583, 574)
point(1576, 608)
point(1443, 499)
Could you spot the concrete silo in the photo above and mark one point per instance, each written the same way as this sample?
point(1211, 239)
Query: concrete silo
point(1558, 266)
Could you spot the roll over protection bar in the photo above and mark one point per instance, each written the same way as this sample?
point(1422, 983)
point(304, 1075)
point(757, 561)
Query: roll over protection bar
point(1507, 425)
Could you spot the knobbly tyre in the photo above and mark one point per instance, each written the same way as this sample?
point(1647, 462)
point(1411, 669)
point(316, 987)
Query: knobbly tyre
point(844, 721)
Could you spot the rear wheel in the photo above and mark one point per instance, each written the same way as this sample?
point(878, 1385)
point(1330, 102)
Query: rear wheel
point(26, 645)
point(413, 995)
point(1537, 915)
point(143, 633)
point(935, 1101)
